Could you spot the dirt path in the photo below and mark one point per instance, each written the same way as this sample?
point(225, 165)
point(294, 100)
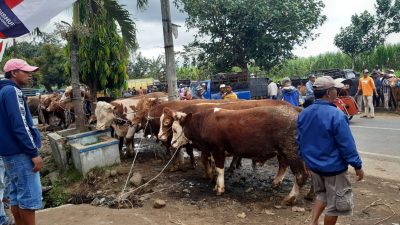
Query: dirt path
point(191, 201)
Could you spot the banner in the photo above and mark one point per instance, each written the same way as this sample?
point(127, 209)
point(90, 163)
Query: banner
point(19, 17)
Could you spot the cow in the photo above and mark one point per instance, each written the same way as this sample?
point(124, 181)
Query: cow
point(118, 114)
point(165, 132)
point(148, 119)
point(258, 133)
point(62, 110)
point(38, 106)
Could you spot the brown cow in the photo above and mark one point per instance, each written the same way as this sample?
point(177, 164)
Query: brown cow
point(165, 132)
point(38, 106)
point(62, 110)
point(257, 133)
point(148, 119)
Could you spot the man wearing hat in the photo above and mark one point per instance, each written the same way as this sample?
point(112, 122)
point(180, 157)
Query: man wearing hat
point(327, 147)
point(20, 143)
point(222, 90)
point(367, 86)
point(386, 89)
point(289, 93)
point(199, 93)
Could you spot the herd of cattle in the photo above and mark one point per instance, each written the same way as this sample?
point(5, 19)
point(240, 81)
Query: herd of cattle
point(255, 129)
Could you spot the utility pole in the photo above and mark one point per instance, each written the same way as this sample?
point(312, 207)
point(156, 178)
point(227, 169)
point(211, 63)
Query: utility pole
point(169, 51)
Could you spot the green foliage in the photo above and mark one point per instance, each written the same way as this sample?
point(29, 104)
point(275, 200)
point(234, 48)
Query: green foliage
point(142, 67)
point(46, 52)
point(385, 56)
point(240, 30)
point(191, 73)
point(103, 55)
point(72, 175)
point(56, 196)
point(368, 31)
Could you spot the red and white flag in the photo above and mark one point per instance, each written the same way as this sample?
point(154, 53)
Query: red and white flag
point(19, 17)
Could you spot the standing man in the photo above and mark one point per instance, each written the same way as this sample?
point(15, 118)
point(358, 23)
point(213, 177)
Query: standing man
point(199, 93)
point(309, 91)
point(327, 147)
point(20, 143)
point(386, 89)
point(367, 86)
point(289, 93)
point(229, 94)
point(221, 92)
point(272, 90)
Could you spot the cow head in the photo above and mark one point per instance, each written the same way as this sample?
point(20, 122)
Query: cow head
point(104, 114)
point(166, 120)
point(178, 136)
point(52, 106)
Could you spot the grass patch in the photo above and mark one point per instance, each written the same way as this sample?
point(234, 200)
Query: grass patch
point(72, 175)
point(56, 196)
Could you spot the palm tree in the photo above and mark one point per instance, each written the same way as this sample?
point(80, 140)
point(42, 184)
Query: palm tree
point(100, 18)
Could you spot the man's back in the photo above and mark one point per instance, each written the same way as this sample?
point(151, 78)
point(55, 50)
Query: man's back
point(325, 140)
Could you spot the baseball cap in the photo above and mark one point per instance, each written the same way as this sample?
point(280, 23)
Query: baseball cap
point(366, 71)
point(390, 71)
point(286, 79)
point(222, 86)
point(19, 64)
point(326, 82)
point(199, 88)
point(311, 75)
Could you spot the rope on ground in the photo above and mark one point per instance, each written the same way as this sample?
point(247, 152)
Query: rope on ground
point(134, 159)
point(375, 203)
point(145, 184)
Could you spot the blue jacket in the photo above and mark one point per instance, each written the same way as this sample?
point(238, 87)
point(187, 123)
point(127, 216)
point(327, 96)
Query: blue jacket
point(325, 140)
point(291, 95)
point(217, 96)
point(17, 134)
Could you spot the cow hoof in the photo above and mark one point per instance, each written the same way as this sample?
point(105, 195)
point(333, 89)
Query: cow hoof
point(220, 192)
point(289, 200)
point(174, 169)
point(309, 196)
point(194, 165)
point(275, 185)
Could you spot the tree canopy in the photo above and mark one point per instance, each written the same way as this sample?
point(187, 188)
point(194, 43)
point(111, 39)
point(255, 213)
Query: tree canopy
point(367, 31)
point(240, 30)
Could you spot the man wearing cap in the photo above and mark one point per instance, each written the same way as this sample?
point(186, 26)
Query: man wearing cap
point(367, 86)
point(386, 89)
point(327, 147)
point(309, 91)
point(20, 143)
point(289, 93)
point(220, 93)
point(199, 93)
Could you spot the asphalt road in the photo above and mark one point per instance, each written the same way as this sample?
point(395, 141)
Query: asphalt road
point(380, 135)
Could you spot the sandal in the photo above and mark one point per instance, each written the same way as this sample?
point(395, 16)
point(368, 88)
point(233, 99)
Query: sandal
point(364, 116)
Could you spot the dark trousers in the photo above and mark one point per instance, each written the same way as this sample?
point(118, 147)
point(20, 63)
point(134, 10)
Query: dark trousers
point(377, 99)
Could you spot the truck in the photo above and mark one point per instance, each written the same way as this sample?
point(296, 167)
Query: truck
point(239, 82)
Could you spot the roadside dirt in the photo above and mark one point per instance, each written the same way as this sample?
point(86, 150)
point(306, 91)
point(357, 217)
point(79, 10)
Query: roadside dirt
point(249, 198)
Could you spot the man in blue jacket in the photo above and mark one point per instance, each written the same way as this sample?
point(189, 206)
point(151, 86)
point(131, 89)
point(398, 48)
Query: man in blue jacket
point(327, 147)
point(20, 143)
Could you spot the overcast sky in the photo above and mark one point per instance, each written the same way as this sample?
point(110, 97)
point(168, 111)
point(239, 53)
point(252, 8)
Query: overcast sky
point(150, 37)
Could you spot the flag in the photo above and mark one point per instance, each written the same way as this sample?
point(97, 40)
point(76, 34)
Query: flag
point(3, 45)
point(19, 17)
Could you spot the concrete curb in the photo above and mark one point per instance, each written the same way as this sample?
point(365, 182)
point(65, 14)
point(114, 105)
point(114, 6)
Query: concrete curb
point(380, 157)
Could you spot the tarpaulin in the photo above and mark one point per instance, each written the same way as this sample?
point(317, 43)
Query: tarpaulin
point(19, 17)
